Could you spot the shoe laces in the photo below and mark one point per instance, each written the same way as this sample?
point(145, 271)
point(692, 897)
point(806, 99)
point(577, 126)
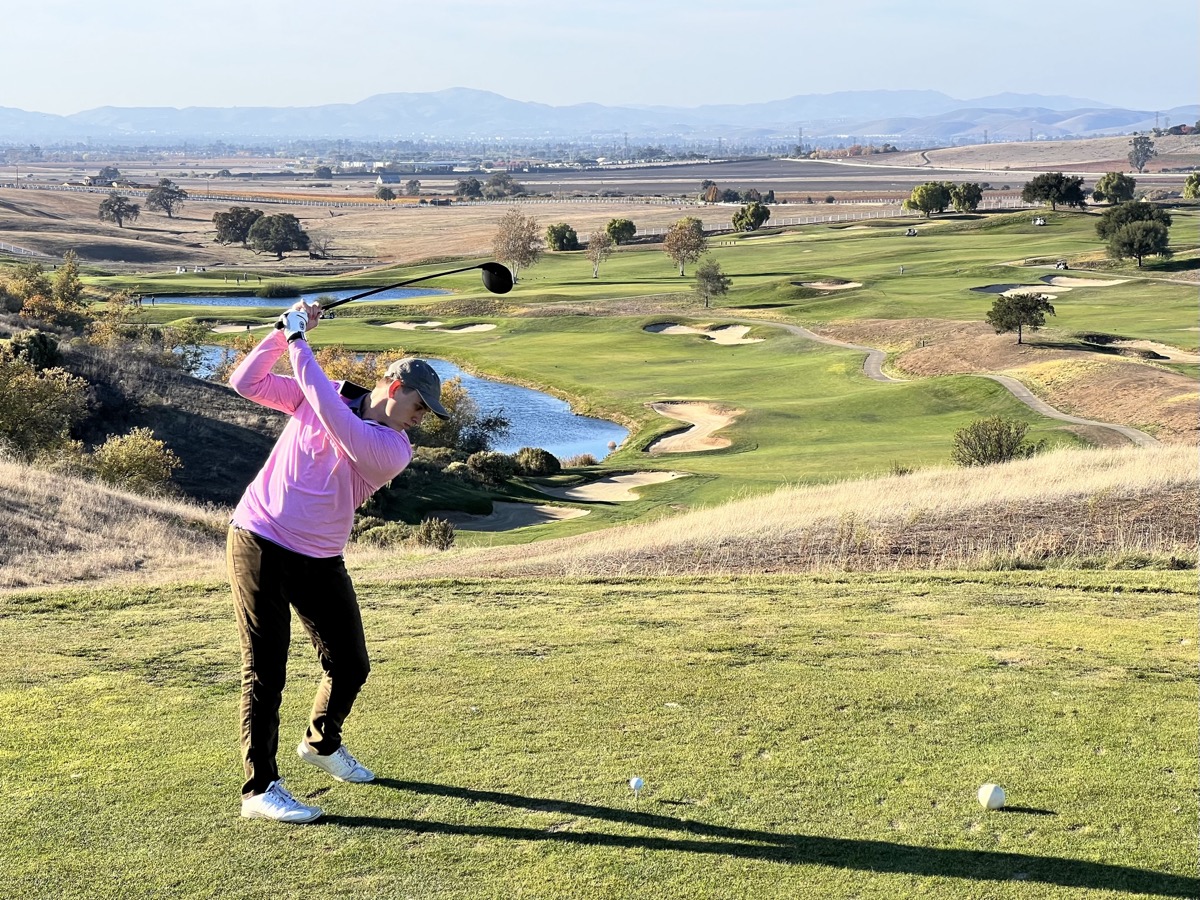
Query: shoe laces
point(281, 795)
point(347, 757)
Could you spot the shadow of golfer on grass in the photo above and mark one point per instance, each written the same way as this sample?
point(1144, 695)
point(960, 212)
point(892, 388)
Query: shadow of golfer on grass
point(842, 853)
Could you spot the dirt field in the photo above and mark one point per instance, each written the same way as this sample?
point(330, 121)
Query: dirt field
point(1097, 155)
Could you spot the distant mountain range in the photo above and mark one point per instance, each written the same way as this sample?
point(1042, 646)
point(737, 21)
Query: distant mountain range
point(464, 114)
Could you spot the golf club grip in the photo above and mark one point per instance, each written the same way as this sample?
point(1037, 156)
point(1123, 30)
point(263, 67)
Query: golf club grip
point(388, 287)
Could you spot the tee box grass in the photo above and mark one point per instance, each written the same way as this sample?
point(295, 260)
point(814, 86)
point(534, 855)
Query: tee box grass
point(817, 736)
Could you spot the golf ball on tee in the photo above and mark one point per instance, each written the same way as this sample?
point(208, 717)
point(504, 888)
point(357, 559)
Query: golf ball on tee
point(991, 796)
point(636, 783)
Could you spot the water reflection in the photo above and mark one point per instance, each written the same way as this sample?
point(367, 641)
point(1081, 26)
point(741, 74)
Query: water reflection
point(538, 420)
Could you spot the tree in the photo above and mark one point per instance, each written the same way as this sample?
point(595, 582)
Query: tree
point(928, 198)
point(517, 241)
point(1141, 151)
point(599, 248)
point(501, 185)
point(986, 442)
point(620, 230)
point(117, 208)
point(167, 197)
point(1017, 312)
point(320, 242)
point(63, 304)
point(966, 197)
point(750, 195)
point(469, 188)
point(1191, 187)
point(1114, 187)
point(37, 409)
point(1139, 240)
point(562, 237)
point(685, 241)
point(109, 174)
point(234, 226)
point(277, 234)
point(322, 172)
point(1055, 188)
point(751, 216)
point(709, 192)
point(412, 188)
point(385, 193)
point(1114, 218)
point(711, 281)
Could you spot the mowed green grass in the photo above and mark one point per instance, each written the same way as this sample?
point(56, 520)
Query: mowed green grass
point(798, 737)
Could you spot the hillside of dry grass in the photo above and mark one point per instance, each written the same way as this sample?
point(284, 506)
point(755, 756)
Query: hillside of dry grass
point(1124, 507)
point(1112, 507)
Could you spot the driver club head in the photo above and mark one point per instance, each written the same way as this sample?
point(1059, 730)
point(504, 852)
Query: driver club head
point(496, 278)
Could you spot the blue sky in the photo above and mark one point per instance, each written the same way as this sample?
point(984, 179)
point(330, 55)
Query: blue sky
point(63, 56)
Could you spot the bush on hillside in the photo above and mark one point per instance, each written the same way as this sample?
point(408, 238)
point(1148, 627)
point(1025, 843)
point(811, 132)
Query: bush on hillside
point(491, 467)
point(38, 349)
point(536, 461)
point(435, 533)
point(387, 534)
point(37, 409)
point(995, 440)
point(136, 462)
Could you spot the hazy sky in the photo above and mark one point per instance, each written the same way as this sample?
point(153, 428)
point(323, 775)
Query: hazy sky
point(63, 56)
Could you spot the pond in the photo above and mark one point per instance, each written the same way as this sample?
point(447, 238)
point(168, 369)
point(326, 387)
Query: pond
point(538, 420)
point(284, 302)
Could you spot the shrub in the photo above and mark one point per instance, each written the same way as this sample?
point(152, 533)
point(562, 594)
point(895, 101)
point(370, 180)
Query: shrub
point(988, 441)
point(277, 289)
point(38, 349)
point(136, 462)
point(37, 409)
point(491, 467)
point(435, 533)
point(435, 458)
point(389, 534)
point(578, 461)
point(363, 524)
point(536, 461)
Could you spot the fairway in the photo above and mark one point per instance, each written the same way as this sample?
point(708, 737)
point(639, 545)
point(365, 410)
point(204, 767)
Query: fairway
point(798, 737)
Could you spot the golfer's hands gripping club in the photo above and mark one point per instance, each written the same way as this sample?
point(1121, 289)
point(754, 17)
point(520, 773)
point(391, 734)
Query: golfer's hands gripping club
point(299, 319)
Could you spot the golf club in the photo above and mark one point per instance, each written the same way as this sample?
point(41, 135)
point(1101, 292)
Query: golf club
point(496, 278)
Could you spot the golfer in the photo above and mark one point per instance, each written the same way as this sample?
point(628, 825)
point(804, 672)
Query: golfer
point(285, 546)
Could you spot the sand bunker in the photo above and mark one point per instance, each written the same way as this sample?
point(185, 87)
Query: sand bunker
point(618, 487)
point(1166, 351)
point(705, 419)
point(1010, 289)
point(1066, 281)
point(436, 326)
point(506, 516)
point(829, 285)
point(725, 334)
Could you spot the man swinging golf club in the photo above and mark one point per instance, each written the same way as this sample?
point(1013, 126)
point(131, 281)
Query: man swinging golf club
point(285, 546)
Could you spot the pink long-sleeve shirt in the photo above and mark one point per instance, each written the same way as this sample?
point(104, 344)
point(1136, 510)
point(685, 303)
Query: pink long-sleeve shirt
point(327, 461)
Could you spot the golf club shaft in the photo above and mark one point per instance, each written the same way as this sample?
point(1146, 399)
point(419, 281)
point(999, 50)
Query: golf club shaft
point(388, 287)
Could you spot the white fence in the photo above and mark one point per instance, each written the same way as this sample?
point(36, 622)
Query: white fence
point(14, 250)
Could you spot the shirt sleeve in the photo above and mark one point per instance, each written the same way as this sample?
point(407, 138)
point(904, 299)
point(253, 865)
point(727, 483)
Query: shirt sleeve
point(377, 452)
point(254, 380)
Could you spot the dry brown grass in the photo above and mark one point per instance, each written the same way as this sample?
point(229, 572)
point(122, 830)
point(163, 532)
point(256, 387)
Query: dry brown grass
point(1076, 507)
point(1092, 155)
point(1095, 385)
point(62, 530)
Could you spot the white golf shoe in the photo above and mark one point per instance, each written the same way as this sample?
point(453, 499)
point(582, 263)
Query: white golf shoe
point(277, 804)
point(341, 764)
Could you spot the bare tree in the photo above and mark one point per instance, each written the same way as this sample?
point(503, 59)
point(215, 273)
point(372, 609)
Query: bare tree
point(320, 242)
point(599, 248)
point(518, 241)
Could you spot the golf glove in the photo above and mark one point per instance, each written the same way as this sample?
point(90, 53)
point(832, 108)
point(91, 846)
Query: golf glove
point(294, 323)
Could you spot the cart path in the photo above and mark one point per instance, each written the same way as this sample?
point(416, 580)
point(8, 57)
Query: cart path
point(873, 369)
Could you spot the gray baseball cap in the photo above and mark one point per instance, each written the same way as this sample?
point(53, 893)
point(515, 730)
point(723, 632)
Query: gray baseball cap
point(419, 375)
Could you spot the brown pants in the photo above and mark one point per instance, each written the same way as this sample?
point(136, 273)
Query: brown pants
point(268, 579)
